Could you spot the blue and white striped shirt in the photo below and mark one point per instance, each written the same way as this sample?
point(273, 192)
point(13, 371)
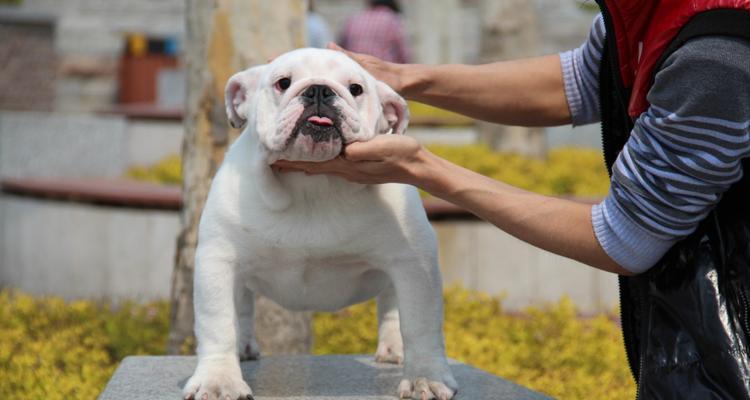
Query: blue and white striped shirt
point(684, 151)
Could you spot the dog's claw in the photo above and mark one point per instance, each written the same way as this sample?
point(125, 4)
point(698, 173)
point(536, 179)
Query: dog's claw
point(250, 397)
point(424, 389)
point(404, 389)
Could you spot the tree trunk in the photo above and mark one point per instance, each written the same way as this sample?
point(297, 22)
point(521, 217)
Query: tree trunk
point(509, 31)
point(224, 37)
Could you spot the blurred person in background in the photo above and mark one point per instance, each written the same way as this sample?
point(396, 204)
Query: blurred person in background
point(670, 82)
point(377, 31)
point(318, 33)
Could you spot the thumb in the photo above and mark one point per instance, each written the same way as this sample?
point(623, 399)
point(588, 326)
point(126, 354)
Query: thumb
point(360, 151)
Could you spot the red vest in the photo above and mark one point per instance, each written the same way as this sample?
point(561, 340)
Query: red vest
point(644, 29)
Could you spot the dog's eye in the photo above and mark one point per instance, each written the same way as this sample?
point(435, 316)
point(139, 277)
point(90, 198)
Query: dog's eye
point(283, 84)
point(355, 89)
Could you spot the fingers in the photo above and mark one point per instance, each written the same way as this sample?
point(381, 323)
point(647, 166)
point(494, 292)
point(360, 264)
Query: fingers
point(332, 166)
point(361, 151)
point(273, 57)
point(358, 172)
point(354, 56)
point(334, 46)
point(374, 150)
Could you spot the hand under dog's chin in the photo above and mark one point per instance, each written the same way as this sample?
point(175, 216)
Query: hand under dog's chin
point(304, 148)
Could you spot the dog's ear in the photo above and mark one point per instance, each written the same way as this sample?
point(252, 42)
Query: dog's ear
point(239, 93)
point(395, 110)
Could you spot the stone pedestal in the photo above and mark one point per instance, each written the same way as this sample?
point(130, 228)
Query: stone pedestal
point(300, 378)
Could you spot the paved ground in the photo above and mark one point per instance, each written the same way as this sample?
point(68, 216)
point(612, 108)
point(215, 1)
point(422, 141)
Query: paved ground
point(300, 378)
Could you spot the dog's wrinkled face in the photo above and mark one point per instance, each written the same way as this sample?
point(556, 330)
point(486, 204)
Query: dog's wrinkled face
point(308, 104)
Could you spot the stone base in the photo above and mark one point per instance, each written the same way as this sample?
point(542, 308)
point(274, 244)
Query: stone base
point(300, 378)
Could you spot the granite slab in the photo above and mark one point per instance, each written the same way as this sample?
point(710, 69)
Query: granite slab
point(334, 377)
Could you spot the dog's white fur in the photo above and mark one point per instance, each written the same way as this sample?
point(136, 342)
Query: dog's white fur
point(313, 242)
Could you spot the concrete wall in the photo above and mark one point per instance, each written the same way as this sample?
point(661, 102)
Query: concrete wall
point(81, 145)
point(151, 140)
point(54, 145)
point(479, 256)
point(82, 251)
point(79, 250)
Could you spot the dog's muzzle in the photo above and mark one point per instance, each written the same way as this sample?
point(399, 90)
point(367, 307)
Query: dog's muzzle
point(320, 118)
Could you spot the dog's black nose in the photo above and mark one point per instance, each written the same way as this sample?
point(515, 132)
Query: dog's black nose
point(319, 92)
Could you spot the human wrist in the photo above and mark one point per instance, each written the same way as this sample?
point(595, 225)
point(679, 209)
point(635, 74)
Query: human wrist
point(412, 79)
point(431, 174)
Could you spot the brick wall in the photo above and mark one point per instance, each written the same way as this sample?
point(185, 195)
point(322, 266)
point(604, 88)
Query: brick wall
point(28, 66)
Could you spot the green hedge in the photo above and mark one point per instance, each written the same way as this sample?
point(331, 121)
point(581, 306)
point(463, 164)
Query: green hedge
point(50, 349)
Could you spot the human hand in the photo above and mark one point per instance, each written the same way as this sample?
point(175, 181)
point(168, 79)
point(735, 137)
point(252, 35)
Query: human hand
point(386, 158)
point(382, 70)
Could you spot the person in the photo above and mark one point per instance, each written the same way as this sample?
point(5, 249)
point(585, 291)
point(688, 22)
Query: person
point(377, 31)
point(670, 82)
point(318, 33)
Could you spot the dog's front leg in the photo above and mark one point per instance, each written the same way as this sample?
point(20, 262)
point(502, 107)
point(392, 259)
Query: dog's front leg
point(420, 303)
point(218, 374)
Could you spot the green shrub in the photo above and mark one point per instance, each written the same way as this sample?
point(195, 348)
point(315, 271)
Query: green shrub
point(167, 171)
point(565, 171)
point(426, 114)
point(50, 349)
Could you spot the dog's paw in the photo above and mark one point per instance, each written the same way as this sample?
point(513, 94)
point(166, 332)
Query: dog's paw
point(390, 352)
point(249, 350)
point(390, 344)
point(426, 379)
point(217, 383)
point(424, 389)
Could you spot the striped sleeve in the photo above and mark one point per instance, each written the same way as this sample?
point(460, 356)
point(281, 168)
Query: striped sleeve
point(581, 75)
point(683, 153)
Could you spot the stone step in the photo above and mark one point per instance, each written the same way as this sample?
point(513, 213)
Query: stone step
point(336, 377)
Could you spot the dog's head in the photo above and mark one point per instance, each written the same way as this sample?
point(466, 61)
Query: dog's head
point(307, 104)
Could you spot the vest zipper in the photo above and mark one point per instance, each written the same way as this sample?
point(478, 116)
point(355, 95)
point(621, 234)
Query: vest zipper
point(608, 148)
point(745, 306)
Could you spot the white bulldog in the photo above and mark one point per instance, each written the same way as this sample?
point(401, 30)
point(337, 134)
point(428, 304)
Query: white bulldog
point(313, 242)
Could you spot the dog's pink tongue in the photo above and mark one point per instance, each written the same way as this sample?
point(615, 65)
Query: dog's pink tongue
point(324, 121)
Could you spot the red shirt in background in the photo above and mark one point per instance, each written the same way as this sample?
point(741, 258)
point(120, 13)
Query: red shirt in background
point(376, 31)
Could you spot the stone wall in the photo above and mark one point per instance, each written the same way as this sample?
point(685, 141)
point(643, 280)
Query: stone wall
point(28, 63)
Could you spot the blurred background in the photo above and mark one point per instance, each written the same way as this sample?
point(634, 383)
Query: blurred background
point(112, 123)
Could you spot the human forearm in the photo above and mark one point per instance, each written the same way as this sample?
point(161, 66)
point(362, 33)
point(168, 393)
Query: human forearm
point(526, 92)
point(560, 226)
point(556, 225)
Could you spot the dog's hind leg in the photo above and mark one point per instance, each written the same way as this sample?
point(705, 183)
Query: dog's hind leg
point(390, 344)
point(247, 346)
